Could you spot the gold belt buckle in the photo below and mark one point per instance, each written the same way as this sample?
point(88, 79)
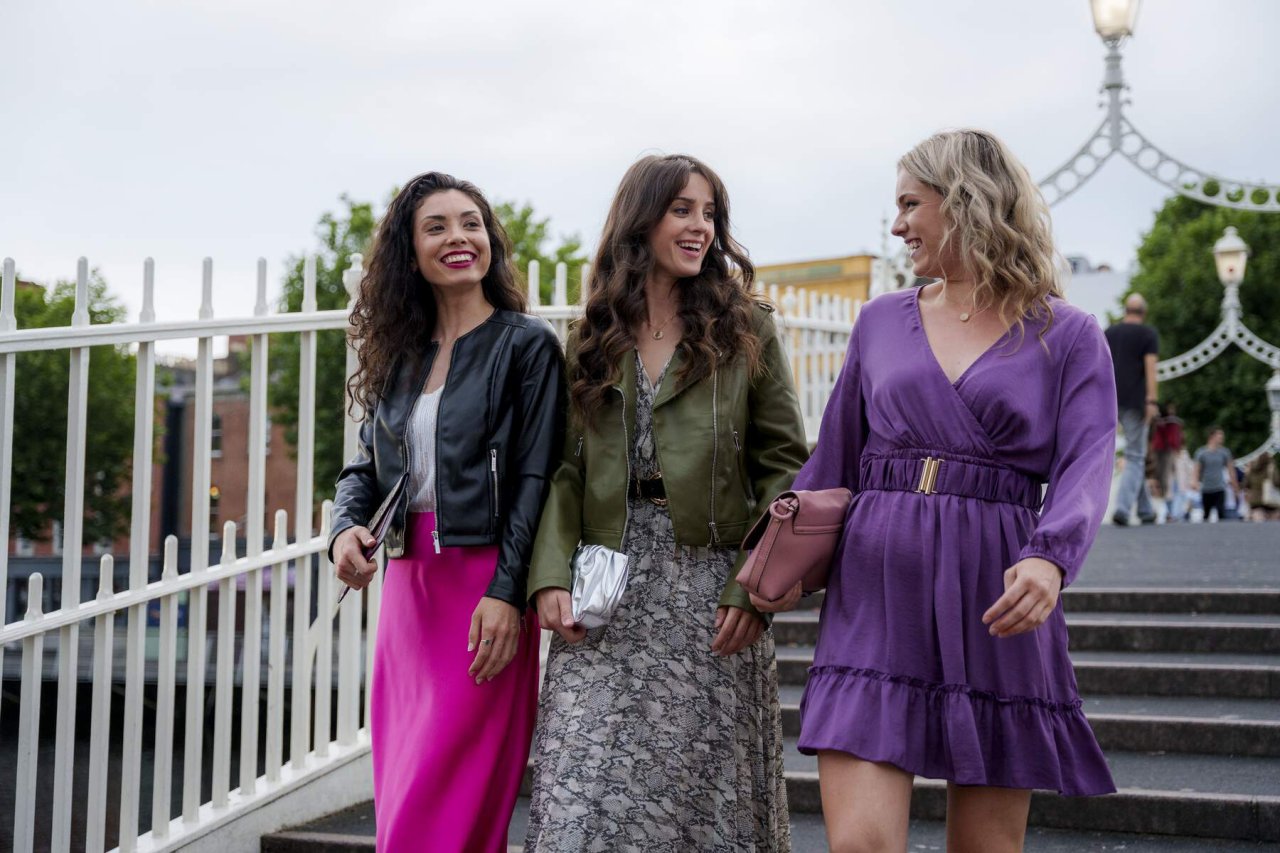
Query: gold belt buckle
point(929, 476)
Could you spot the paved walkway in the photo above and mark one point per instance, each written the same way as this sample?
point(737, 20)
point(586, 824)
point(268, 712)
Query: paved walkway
point(1229, 554)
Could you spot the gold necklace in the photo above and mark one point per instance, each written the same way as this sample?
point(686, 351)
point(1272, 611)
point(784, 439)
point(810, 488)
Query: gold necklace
point(657, 333)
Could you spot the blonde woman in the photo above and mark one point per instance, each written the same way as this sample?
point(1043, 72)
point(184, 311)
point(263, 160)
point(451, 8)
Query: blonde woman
point(943, 650)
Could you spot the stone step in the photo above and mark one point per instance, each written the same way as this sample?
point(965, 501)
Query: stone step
point(1152, 723)
point(1131, 673)
point(352, 830)
point(1098, 631)
point(1260, 601)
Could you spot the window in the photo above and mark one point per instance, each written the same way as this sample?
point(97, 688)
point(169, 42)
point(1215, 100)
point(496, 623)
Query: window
point(215, 437)
point(55, 536)
point(23, 547)
point(215, 498)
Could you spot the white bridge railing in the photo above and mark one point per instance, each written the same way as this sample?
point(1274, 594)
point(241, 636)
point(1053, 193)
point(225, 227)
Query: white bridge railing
point(274, 634)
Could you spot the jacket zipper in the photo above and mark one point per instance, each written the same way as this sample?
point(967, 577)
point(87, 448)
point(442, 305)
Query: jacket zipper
point(493, 473)
point(626, 443)
point(448, 374)
point(715, 446)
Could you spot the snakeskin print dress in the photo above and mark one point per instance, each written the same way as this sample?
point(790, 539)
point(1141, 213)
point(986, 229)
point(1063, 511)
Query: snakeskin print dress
point(645, 740)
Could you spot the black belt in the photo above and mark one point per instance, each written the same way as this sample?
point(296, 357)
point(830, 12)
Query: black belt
point(649, 489)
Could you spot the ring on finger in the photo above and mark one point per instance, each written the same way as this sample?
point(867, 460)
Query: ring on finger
point(488, 642)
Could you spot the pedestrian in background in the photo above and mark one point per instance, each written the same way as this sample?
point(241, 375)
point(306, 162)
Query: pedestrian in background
point(463, 399)
point(1135, 348)
point(1262, 487)
point(1215, 474)
point(1167, 441)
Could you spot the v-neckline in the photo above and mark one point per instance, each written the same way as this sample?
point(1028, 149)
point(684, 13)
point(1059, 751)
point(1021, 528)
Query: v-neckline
point(644, 371)
point(924, 337)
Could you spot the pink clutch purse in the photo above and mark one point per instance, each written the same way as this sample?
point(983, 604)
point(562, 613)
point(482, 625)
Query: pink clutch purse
point(794, 541)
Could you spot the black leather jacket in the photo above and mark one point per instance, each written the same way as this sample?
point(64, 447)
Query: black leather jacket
point(498, 435)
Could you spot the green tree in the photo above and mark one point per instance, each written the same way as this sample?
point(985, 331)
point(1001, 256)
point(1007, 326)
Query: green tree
point(340, 235)
point(529, 237)
point(1178, 278)
point(40, 419)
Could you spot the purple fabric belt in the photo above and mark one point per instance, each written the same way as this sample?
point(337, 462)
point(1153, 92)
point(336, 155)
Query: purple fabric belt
point(928, 474)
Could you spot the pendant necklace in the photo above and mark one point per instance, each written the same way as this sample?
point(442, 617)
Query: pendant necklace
point(657, 333)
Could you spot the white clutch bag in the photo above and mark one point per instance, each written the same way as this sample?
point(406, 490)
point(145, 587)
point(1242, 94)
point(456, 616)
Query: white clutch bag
point(599, 579)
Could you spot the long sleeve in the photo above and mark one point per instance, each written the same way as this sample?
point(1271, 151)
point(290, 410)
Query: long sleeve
point(1083, 457)
point(775, 446)
point(356, 495)
point(538, 437)
point(844, 429)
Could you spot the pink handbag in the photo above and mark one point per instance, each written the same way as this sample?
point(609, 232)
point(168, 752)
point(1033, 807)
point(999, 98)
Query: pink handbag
point(794, 541)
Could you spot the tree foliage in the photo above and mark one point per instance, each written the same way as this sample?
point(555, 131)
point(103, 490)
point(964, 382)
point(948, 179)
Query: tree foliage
point(529, 236)
point(340, 235)
point(40, 419)
point(1179, 280)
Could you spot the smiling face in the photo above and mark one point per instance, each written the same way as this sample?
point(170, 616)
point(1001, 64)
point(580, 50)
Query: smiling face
point(450, 242)
point(922, 226)
point(683, 235)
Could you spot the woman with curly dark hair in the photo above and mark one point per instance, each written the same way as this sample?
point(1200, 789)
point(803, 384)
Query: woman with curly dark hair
point(661, 730)
point(463, 398)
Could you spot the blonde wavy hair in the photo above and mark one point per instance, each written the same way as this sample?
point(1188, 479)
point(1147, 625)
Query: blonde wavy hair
point(997, 217)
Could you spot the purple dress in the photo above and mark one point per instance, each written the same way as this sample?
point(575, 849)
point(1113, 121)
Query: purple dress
point(905, 672)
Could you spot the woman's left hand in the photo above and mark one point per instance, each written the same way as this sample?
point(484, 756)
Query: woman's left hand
point(1031, 589)
point(737, 629)
point(495, 631)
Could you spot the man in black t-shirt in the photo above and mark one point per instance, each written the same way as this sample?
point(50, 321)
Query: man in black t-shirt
point(1135, 348)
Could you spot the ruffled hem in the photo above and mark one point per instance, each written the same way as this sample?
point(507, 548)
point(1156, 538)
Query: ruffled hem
point(953, 732)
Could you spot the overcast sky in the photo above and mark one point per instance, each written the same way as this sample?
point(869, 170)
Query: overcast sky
point(180, 130)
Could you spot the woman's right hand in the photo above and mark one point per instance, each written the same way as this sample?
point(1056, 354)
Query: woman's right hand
point(349, 562)
point(787, 602)
point(555, 611)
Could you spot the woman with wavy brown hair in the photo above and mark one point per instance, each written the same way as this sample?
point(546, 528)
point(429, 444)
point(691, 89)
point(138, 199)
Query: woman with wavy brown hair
point(463, 398)
point(943, 649)
point(661, 729)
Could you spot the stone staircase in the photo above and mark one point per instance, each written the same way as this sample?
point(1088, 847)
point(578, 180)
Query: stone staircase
point(1182, 688)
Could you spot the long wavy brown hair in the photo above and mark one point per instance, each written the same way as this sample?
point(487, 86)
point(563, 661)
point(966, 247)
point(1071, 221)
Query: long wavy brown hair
point(395, 310)
point(715, 305)
point(997, 218)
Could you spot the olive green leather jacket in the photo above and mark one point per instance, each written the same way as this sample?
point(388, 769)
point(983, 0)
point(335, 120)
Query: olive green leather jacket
point(727, 444)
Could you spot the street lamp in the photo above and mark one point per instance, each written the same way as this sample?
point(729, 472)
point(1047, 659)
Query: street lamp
point(1114, 19)
point(1273, 393)
point(1231, 254)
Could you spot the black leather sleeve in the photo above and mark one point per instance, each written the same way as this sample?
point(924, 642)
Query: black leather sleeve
point(357, 495)
point(537, 439)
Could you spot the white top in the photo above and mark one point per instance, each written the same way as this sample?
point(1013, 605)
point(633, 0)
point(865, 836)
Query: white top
point(421, 439)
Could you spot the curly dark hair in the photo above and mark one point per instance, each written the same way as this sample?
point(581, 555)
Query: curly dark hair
point(395, 311)
point(716, 306)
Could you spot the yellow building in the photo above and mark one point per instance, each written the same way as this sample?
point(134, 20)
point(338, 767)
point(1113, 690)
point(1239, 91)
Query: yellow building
point(848, 277)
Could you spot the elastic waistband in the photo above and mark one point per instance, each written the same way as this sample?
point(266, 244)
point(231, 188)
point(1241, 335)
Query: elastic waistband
point(928, 475)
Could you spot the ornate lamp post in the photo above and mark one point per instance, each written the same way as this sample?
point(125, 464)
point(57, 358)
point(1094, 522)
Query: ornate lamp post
point(1231, 256)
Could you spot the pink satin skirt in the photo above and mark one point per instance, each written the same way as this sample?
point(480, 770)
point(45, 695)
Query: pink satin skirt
point(448, 754)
